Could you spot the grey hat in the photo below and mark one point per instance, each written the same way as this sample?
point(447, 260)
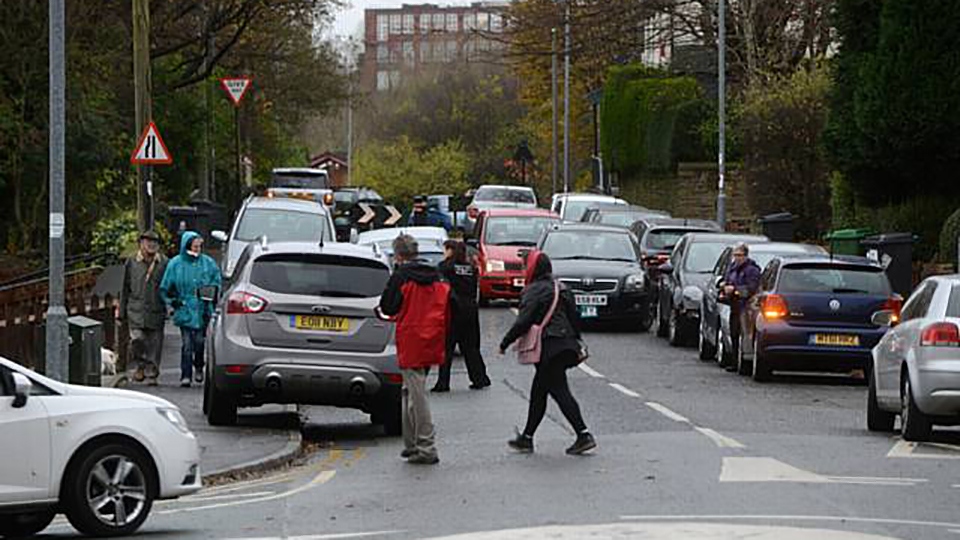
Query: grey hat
point(150, 235)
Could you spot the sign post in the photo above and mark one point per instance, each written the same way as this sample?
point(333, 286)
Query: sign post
point(151, 150)
point(236, 88)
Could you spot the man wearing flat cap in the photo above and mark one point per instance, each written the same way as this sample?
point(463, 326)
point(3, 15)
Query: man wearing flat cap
point(143, 309)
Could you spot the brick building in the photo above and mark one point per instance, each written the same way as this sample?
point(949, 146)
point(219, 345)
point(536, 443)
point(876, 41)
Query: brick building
point(402, 41)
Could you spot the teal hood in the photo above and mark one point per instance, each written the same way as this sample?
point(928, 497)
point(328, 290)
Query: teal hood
point(185, 241)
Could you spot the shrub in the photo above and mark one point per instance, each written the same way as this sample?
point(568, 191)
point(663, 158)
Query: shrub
point(118, 235)
point(948, 238)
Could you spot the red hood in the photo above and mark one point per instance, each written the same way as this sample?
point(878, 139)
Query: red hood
point(504, 253)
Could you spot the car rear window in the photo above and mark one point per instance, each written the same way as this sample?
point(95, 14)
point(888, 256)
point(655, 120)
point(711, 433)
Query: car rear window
point(825, 278)
point(660, 239)
point(320, 275)
point(516, 231)
point(299, 181)
point(953, 304)
point(281, 225)
point(521, 196)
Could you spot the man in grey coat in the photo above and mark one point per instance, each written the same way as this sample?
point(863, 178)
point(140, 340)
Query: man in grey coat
point(142, 307)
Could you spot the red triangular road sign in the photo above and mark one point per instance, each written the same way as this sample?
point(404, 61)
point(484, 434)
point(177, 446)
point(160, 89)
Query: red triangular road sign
point(236, 88)
point(151, 149)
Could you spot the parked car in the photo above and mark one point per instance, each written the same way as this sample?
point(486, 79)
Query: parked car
point(277, 219)
point(684, 278)
point(302, 183)
point(916, 366)
point(572, 206)
point(501, 237)
point(101, 456)
point(601, 266)
point(494, 196)
point(429, 239)
point(815, 314)
point(298, 325)
point(618, 215)
point(715, 342)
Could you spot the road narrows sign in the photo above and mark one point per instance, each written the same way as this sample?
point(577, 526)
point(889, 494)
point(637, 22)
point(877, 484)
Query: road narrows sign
point(151, 149)
point(236, 88)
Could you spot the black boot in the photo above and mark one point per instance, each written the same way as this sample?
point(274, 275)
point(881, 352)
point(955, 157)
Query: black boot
point(584, 443)
point(521, 443)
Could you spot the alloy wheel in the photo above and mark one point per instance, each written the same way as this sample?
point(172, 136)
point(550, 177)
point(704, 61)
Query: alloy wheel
point(116, 491)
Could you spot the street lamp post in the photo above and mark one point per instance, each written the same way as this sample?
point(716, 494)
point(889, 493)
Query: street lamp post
point(555, 169)
point(57, 331)
point(722, 108)
point(566, 97)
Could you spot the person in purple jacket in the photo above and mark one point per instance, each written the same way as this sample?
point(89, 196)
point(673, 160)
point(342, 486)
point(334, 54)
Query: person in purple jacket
point(740, 283)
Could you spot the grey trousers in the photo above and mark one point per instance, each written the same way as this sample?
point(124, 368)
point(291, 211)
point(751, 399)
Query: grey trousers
point(146, 350)
point(418, 432)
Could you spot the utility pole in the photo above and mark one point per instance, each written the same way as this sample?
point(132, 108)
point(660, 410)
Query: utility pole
point(566, 98)
point(207, 186)
point(143, 90)
point(555, 150)
point(722, 107)
point(57, 332)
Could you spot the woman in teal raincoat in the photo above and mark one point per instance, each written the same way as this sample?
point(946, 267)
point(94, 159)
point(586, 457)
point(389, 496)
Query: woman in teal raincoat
point(186, 274)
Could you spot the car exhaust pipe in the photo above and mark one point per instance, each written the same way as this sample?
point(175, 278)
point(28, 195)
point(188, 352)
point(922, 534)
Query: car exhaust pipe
point(274, 382)
point(357, 388)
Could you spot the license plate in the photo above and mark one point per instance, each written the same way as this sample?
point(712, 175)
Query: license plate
point(519, 282)
point(320, 322)
point(836, 340)
point(588, 312)
point(591, 300)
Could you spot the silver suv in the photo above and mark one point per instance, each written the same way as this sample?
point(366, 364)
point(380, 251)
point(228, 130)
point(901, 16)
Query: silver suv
point(298, 324)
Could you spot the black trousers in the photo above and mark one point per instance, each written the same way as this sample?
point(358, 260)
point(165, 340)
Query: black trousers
point(466, 333)
point(736, 312)
point(551, 380)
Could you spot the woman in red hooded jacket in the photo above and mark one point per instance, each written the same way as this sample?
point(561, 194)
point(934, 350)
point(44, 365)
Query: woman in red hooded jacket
point(560, 351)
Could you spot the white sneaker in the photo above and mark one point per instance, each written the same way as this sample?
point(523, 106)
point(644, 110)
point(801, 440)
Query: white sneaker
point(198, 377)
point(185, 382)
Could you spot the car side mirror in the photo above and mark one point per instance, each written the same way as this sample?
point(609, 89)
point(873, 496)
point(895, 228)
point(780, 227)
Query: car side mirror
point(665, 268)
point(354, 236)
point(717, 280)
point(21, 390)
point(220, 236)
point(885, 318)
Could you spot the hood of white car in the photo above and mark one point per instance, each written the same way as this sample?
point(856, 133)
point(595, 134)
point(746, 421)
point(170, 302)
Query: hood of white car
point(74, 390)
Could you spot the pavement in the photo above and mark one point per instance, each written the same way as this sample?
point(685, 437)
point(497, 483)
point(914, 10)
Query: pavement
point(264, 437)
point(686, 451)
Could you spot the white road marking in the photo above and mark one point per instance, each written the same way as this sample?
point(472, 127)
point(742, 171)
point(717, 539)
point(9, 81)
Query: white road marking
point(226, 496)
point(322, 536)
point(765, 469)
point(720, 440)
point(836, 519)
point(669, 530)
point(676, 417)
point(515, 311)
point(954, 531)
point(322, 478)
point(624, 390)
point(590, 371)
point(907, 449)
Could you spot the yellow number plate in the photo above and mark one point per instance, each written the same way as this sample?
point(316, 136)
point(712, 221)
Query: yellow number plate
point(320, 322)
point(836, 340)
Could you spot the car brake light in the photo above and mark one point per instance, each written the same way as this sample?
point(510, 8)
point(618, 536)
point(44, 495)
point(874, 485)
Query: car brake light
point(893, 304)
point(942, 334)
point(473, 212)
point(328, 199)
point(241, 303)
point(394, 378)
point(774, 307)
point(235, 370)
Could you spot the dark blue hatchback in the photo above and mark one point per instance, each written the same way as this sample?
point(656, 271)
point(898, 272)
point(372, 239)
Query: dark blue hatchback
point(814, 314)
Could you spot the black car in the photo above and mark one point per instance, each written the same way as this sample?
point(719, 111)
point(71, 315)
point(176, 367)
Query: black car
point(601, 266)
point(684, 278)
point(618, 215)
point(716, 340)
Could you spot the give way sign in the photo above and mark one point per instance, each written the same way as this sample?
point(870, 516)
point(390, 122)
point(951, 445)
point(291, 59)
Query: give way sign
point(236, 88)
point(151, 150)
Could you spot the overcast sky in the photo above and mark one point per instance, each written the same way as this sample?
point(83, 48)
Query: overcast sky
point(349, 21)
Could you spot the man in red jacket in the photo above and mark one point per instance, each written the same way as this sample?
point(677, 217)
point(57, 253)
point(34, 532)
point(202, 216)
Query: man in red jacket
point(418, 298)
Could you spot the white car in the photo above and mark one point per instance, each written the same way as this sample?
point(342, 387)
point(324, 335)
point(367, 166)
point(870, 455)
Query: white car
point(429, 239)
point(572, 206)
point(101, 456)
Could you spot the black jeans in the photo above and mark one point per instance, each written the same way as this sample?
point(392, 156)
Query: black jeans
point(466, 333)
point(551, 380)
point(735, 313)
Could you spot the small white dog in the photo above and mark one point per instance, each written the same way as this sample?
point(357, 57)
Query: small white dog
point(108, 362)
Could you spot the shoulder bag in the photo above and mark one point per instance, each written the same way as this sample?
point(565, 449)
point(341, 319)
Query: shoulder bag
point(530, 345)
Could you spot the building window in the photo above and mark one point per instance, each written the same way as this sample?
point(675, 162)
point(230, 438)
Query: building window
point(408, 24)
point(469, 22)
point(383, 27)
point(424, 52)
point(483, 22)
point(496, 22)
point(383, 80)
point(438, 22)
point(424, 23)
point(395, 79)
point(383, 54)
point(451, 52)
point(394, 53)
point(453, 22)
point(409, 54)
point(470, 50)
point(396, 24)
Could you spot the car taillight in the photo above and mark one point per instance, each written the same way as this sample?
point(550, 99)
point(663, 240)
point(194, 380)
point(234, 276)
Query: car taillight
point(942, 334)
point(235, 370)
point(241, 303)
point(774, 307)
point(473, 212)
point(893, 304)
point(328, 199)
point(394, 378)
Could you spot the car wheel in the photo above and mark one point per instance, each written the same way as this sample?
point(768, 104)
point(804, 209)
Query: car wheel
point(662, 329)
point(675, 333)
point(707, 350)
point(483, 302)
point(877, 418)
point(110, 491)
point(24, 525)
point(392, 419)
point(744, 366)
point(220, 409)
point(761, 371)
point(914, 425)
point(645, 321)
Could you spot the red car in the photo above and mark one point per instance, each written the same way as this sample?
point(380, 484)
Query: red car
point(500, 235)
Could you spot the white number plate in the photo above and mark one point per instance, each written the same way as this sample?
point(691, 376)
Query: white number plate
point(519, 282)
point(591, 300)
point(588, 312)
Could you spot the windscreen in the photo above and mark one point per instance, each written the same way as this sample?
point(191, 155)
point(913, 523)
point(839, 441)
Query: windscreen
point(320, 275)
point(516, 231)
point(503, 195)
point(299, 181)
point(663, 239)
point(702, 257)
point(618, 219)
point(821, 278)
point(609, 246)
point(281, 226)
